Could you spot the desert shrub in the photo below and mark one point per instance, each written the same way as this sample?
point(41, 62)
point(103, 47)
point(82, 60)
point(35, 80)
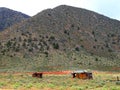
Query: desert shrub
point(47, 47)
point(17, 49)
point(94, 47)
point(110, 50)
point(52, 38)
point(82, 46)
point(30, 49)
point(14, 44)
point(96, 59)
point(66, 32)
point(72, 25)
point(29, 85)
point(25, 40)
point(102, 48)
point(11, 55)
point(112, 35)
point(29, 40)
point(49, 14)
point(90, 64)
point(55, 45)
point(95, 40)
point(3, 51)
point(77, 49)
point(50, 85)
point(35, 39)
point(22, 34)
point(24, 44)
point(1, 84)
point(107, 46)
point(46, 53)
point(93, 32)
point(118, 83)
point(9, 43)
point(17, 85)
point(20, 39)
point(113, 42)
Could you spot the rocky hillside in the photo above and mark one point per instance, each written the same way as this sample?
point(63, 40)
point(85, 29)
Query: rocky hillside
point(9, 17)
point(64, 37)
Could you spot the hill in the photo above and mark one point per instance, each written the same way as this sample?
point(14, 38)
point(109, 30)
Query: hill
point(9, 17)
point(64, 37)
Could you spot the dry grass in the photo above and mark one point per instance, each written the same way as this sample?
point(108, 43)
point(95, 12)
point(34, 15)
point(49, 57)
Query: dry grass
point(24, 81)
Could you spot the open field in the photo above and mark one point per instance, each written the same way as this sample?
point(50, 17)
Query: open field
point(59, 81)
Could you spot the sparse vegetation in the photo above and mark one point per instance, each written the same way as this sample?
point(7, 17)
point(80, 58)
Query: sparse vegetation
point(49, 40)
point(101, 81)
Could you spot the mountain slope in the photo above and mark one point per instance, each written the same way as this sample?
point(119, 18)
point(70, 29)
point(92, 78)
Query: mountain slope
point(9, 17)
point(62, 38)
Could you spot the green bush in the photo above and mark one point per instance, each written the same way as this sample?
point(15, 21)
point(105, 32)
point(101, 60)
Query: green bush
point(1, 84)
point(118, 83)
point(9, 43)
point(77, 49)
point(29, 85)
point(55, 45)
point(17, 85)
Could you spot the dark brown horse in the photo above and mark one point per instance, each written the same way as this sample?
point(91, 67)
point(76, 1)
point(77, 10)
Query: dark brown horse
point(38, 75)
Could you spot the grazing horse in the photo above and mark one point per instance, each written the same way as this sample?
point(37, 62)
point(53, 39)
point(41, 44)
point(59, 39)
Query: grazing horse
point(38, 75)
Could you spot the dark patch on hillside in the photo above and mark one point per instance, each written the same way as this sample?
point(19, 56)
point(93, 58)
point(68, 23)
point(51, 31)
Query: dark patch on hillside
point(9, 17)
